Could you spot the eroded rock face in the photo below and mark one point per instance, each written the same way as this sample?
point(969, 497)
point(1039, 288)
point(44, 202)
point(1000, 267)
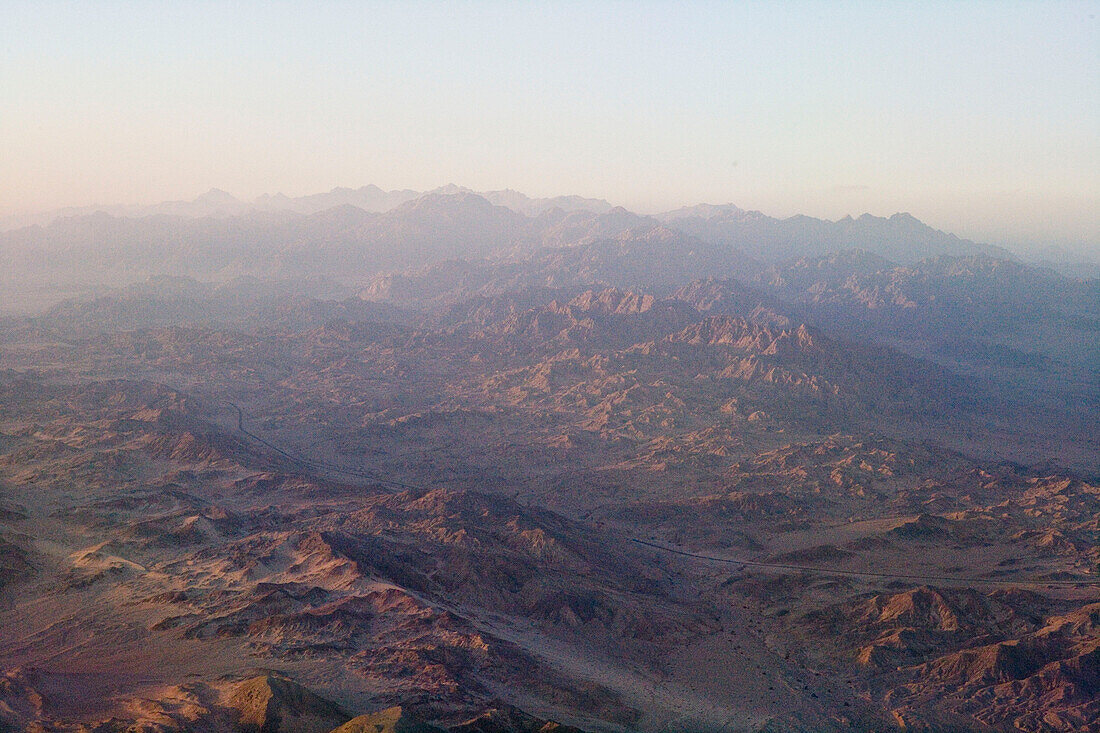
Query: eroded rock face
point(275, 704)
point(390, 720)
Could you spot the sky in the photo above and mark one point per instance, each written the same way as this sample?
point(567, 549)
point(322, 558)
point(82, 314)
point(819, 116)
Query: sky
point(979, 118)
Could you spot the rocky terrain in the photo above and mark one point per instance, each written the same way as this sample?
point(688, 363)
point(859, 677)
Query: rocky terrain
point(519, 465)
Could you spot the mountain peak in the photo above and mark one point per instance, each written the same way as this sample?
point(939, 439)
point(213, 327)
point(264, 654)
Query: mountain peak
point(216, 196)
point(451, 189)
point(439, 200)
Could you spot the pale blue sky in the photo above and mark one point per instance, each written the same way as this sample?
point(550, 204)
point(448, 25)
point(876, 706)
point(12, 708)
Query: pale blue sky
point(982, 118)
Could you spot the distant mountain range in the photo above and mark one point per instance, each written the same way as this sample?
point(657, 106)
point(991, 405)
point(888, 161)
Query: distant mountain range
point(353, 235)
point(219, 203)
point(901, 237)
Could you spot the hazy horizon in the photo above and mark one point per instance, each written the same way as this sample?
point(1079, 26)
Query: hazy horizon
point(1037, 249)
point(979, 119)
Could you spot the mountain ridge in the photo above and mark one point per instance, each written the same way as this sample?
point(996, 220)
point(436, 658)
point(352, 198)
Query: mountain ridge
point(900, 236)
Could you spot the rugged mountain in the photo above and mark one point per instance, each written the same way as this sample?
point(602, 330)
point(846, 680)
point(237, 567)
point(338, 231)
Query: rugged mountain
point(343, 242)
point(609, 317)
point(901, 237)
point(368, 198)
point(523, 204)
point(102, 248)
point(1000, 656)
point(656, 259)
point(213, 203)
point(1032, 329)
point(373, 198)
point(218, 203)
point(732, 297)
point(574, 470)
point(979, 293)
point(503, 240)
